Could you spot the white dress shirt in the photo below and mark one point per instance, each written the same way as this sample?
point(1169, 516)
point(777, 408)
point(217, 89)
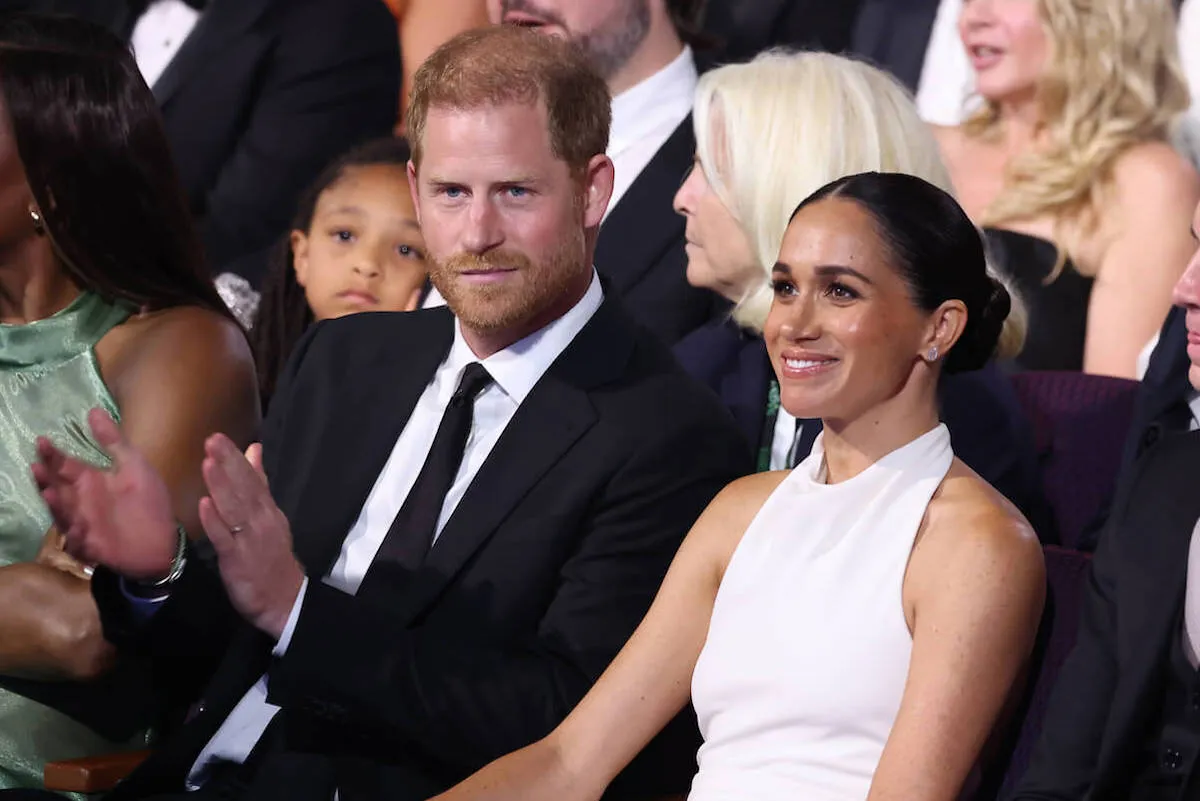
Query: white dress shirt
point(158, 35)
point(644, 117)
point(515, 371)
point(1191, 598)
point(785, 436)
point(946, 78)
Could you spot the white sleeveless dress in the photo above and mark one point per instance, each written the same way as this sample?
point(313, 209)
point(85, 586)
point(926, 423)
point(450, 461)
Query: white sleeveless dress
point(801, 676)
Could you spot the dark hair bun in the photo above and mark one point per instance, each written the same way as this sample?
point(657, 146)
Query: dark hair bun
point(985, 320)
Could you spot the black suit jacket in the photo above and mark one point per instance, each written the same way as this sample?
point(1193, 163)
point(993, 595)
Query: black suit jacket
point(548, 563)
point(744, 28)
point(262, 95)
point(895, 35)
point(981, 410)
point(640, 250)
point(1104, 705)
point(1160, 408)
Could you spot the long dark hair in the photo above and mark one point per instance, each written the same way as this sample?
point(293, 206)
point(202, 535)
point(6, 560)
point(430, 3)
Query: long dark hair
point(936, 249)
point(91, 140)
point(284, 315)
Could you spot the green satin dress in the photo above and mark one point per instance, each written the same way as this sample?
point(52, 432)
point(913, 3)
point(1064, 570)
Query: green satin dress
point(49, 380)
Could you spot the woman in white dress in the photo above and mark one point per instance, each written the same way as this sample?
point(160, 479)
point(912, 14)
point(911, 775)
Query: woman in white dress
point(852, 629)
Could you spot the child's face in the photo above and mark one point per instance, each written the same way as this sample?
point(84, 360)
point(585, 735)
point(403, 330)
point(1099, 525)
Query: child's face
point(364, 250)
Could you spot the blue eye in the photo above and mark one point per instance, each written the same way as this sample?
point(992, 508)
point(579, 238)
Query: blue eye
point(517, 191)
point(453, 191)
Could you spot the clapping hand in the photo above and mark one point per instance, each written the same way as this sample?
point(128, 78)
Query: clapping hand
point(250, 535)
point(120, 517)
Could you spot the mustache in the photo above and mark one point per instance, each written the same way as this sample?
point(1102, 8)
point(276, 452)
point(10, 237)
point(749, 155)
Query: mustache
point(492, 260)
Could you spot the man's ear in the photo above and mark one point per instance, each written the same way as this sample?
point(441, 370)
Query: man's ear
point(597, 189)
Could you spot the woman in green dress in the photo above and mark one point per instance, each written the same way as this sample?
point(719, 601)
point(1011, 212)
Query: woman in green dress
point(104, 302)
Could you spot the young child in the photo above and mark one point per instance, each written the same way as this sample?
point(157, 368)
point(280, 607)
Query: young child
point(355, 246)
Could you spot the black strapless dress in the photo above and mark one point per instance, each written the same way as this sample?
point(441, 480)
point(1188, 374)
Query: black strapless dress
point(1057, 310)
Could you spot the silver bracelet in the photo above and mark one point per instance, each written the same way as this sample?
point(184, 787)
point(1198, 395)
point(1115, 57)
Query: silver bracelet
point(177, 564)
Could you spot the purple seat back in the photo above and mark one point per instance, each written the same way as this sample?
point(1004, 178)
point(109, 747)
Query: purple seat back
point(1079, 423)
point(1066, 574)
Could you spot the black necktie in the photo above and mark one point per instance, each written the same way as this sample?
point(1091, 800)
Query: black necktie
point(411, 533)
point(802, 441)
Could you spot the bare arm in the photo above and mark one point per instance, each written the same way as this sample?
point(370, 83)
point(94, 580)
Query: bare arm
point(1155, 194)
point(176, 379)
point(975, 586)
point(645, 686)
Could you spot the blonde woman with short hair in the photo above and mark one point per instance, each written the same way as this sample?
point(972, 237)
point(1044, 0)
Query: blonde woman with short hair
point(768, 133)
point(1068, 163)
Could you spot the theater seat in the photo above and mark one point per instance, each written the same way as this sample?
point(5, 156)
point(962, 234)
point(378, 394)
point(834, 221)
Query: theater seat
point(1066, 574)
point(1079, 427)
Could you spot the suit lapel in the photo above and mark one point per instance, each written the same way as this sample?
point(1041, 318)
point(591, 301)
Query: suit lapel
point(745, 387)
point(643, 224)
point(551, 419)
point(224, 19)
point(364, 422)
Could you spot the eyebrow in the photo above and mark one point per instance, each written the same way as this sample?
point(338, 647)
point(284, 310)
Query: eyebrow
point(516, 179)
point(826, 271)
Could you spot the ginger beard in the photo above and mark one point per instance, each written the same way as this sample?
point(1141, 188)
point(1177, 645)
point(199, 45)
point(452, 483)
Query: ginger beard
point(530, 289)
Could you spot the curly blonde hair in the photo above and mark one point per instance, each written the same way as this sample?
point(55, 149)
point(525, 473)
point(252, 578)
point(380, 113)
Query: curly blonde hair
point(1113, 80)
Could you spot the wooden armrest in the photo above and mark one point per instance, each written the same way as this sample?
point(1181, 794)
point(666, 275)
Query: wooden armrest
point(91, 774)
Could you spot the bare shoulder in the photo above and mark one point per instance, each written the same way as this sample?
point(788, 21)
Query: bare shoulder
point(729, 514)
point(186, 345)
point(1156, 170)
point(970, 527)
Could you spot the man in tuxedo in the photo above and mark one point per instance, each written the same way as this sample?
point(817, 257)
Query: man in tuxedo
point(414, 598)
point(257, 97)
point(637, 46)
point(1124, 719)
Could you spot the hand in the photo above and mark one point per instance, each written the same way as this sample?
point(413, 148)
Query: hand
point(120, 517)
point(250, 535)
point(51, 554)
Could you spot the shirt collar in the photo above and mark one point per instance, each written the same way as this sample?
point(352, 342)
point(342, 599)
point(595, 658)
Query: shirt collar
point(653, 102)
point(518, 368)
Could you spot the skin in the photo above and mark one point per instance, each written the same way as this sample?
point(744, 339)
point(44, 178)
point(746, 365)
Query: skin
point(720, 257)
point(364, 250)
point(973, 591)
point(626, 40)
point(425, 25)
point(510, 231)
point(1141, 244)
point(176, 375)
point(1187, 295)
